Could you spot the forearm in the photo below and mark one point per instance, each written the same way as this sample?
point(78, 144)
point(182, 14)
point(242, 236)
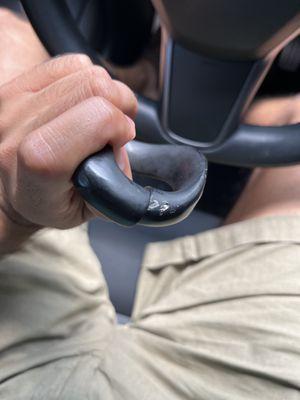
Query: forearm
point(20, 48)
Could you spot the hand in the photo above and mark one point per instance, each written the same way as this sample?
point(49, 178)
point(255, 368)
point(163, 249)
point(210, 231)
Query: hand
point(52, 118)
point(20, 48)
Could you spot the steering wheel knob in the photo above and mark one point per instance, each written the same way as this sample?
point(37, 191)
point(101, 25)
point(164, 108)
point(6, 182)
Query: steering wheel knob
point(103, 185)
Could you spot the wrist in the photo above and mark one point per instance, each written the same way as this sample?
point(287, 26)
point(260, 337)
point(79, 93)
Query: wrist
point(13, 234)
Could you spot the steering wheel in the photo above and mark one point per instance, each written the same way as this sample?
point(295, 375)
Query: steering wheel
point(214, 65)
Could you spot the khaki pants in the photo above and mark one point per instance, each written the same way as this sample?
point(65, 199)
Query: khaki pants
point(217, 316)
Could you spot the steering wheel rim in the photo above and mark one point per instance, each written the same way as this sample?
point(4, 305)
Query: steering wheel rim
point(98, 178)
point(273, 145)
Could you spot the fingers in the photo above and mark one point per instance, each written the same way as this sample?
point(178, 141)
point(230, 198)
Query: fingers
point(48, 72)
point(127, 100)
point(56, 149)
point(122, 160)
point(72, 89)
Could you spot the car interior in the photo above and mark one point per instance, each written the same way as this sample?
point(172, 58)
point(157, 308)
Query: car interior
point(215, 60)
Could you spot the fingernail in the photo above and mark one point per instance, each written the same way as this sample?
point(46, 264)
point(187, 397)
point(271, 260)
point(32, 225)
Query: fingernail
point(130, 122)
point(121, 159)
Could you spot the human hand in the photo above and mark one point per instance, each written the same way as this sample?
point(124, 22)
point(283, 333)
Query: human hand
point(52, 118)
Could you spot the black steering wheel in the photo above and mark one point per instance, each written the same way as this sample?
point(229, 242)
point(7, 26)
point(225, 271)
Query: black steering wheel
point(212, 72)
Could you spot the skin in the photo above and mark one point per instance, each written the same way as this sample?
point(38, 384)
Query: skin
point(270, 191)
point(54, 113)
point(52, 117)
point(20, 48)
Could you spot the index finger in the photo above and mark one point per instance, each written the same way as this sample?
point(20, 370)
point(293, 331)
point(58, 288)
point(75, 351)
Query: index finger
point(48, 72)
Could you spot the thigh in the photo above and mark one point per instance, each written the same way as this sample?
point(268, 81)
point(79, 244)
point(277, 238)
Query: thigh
point(217, 317)
point(53, 301)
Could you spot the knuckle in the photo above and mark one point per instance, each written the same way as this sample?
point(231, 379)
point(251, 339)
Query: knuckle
point(78, 60)
point(99, 72)
point(104, 113)
point(69, 63)
point(124, 128)
point(129, 97)
point(34, 157)
point(93, 86)
point(102, 109)
point(99, 81)
point(26, 154)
